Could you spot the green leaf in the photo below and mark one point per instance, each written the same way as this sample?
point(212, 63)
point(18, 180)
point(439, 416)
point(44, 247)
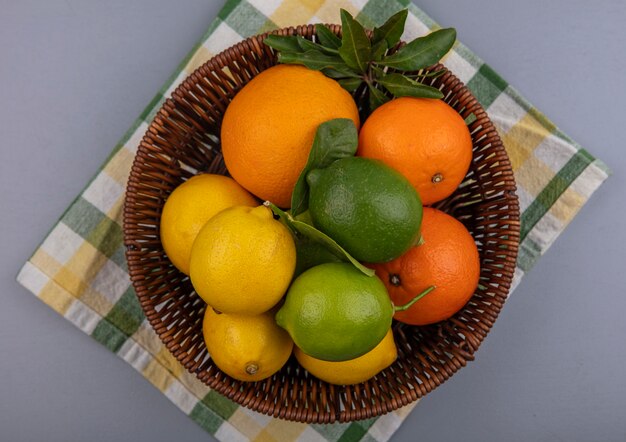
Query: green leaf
point(401, 86)
point(378, 50)
point(286, 43)
point(301, 229)
point(345, 72)
point(310, 254)
point(305, 217)
point(312, 60)
point(355, 46)
point(350, 84)
point(334, 139)
point(377, 97)
point(308, 45)
point(470, 119)
point(422, 52)
point(392, 30)
point(327, 37)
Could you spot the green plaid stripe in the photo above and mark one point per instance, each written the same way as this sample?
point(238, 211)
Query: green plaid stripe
point(487, 85)
point(546, 198)
point(80, 270)
point(375, 13)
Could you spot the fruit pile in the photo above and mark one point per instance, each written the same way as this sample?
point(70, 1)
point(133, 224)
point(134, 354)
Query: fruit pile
point(342, 244)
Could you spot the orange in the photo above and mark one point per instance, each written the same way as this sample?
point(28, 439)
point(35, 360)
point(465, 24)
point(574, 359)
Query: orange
point(447, 258)
point(269, 126)
point(424, 139)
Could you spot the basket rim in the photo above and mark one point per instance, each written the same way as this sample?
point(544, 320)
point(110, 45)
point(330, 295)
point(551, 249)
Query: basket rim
point(220, 61)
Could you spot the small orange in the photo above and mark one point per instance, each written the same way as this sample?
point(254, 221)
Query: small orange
point(269, 126)
point(424, 139)
point(447, 259)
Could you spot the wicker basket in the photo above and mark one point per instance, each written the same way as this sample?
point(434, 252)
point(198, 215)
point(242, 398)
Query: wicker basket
point(183, 140)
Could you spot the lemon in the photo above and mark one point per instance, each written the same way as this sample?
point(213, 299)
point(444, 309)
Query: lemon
point(190, 206)
point(335, 313)
point(242, 261)
point(247, 348)
point(353, 371)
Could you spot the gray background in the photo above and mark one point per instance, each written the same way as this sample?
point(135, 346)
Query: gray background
point(73, 76)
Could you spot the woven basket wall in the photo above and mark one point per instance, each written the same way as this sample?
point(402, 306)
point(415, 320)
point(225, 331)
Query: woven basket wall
point(183, 140)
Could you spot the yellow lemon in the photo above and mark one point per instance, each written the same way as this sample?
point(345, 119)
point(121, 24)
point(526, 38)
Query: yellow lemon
point(242, 261)
point(355, 370)
point(190, 206)
point(248, 348)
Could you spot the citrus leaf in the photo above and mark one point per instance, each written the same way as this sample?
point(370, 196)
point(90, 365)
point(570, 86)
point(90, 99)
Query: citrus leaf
point(470, 119)
point(327, 37)
point(422, 52)
point(392, 30)
point(401, 86)
point(378, 50)
point(340, 73)
point(301, 229)
point(307, 45)
point(286, 43)
point(334, 139)
point(355, 45)
point(312, 59)
point(377, 97)
point(350, 84)
point(310, 254)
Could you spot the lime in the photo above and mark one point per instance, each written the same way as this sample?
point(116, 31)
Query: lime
point(370, 209)
point(334, 312)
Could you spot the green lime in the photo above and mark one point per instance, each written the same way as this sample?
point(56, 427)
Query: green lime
point(370, 209)
point(334, 312)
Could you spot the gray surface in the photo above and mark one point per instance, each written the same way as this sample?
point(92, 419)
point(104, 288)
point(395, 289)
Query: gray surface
point(73, 76)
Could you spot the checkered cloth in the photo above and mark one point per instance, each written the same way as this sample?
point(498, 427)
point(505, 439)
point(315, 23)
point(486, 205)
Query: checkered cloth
point(80, 270)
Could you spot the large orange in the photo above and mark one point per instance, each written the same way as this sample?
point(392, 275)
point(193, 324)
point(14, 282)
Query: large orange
point(269, 126)
point(424, 139)
point(447, 259)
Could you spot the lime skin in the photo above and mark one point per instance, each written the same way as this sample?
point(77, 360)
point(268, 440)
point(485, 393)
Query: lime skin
point(334, 312)
point(370, 209)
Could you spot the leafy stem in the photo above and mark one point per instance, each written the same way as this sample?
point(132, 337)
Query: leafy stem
point(376, 64)
point(408, 305)
point(304, 231)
